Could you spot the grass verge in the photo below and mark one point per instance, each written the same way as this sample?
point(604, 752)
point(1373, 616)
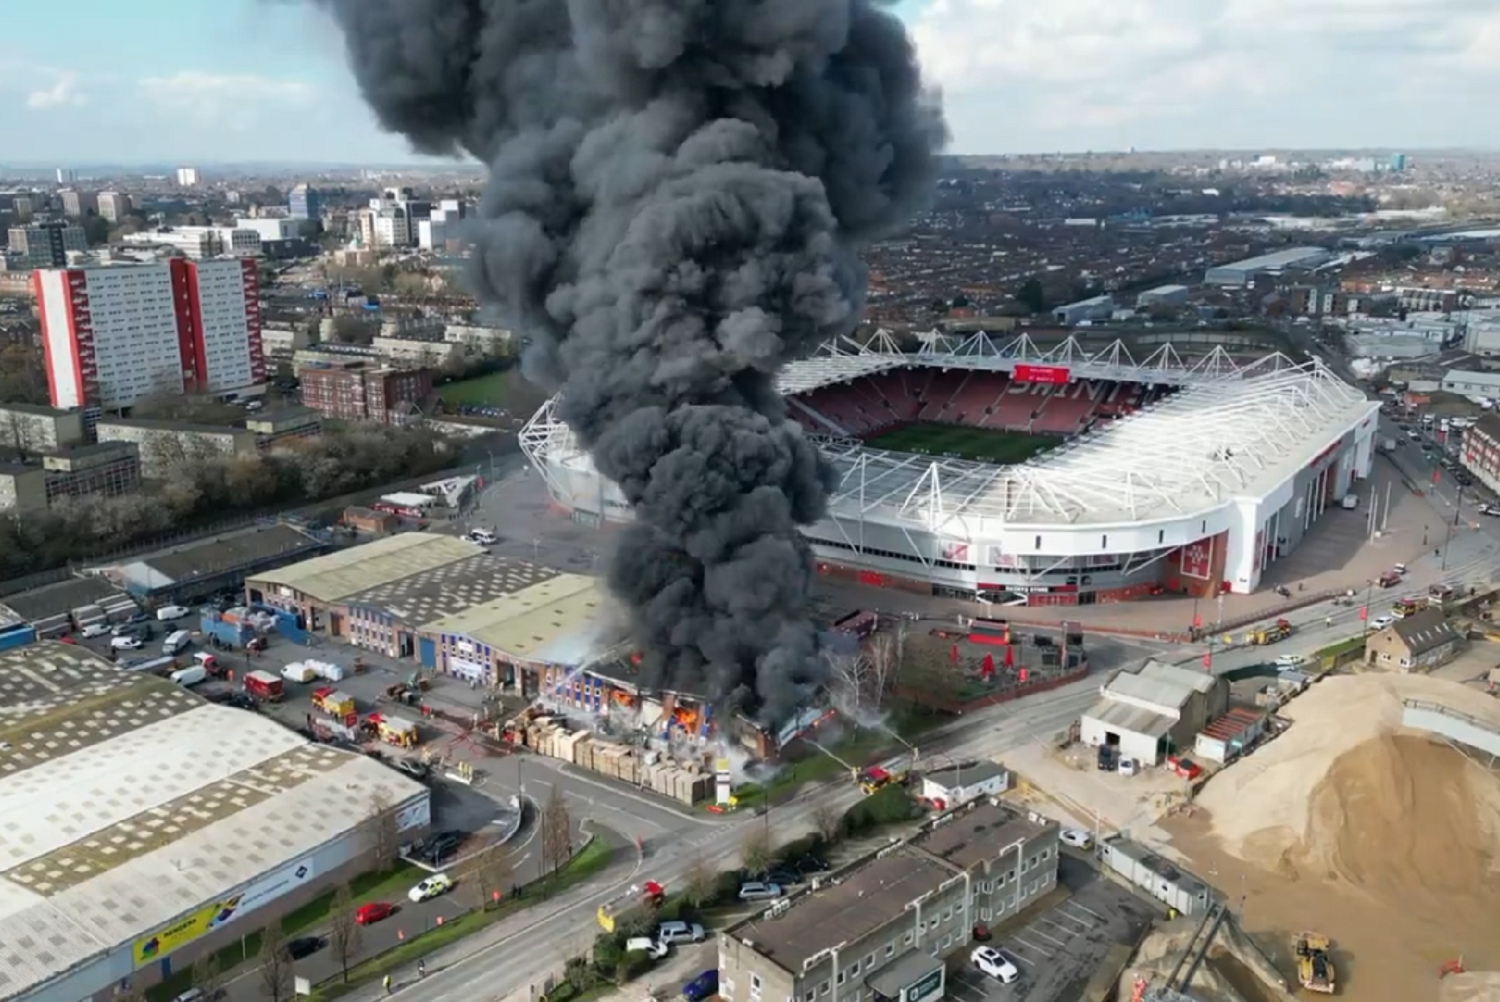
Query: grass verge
point(1339, 649)
point(590, 860)
point(366, 887)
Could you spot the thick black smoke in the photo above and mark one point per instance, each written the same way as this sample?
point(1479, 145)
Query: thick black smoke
point(678, 193)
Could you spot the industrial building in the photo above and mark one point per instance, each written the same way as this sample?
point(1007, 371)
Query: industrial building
point(145, 828)
point(1147, 713)
point(112, 335)
point(194, 571)
point(1472, 383)
point(884, 927)
point(1162, 295)
point(1094, 308)
point(1244, 272)
point(56, 610)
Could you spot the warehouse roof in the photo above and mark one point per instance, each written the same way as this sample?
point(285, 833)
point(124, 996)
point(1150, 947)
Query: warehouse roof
point(1197, 681)
point(556, 621)
point(117, 824)
point(337, 576)
point(1131, 719)
point(229, 552)
point(63, 597)
point(1277, 259)
point(452, 588)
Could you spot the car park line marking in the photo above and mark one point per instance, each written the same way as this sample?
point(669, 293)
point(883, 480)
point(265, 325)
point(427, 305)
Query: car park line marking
point(1015, 957)
point(1033, 930)
point(1031, 946)
point(1087, 925)
point(1074, 904)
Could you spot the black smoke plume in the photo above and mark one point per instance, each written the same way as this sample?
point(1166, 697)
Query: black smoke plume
point(678, 193)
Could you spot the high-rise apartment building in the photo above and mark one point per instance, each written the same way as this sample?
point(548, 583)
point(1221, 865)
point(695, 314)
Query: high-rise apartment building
point(77, 203)
point(188, 177)
point(46, 244)
point(114, 206)
point(305, 203)
point(113, 335)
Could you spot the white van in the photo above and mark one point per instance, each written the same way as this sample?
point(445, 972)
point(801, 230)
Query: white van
point(1350, 502)
point(167, 613)
point(177, 641)
point(189, 676)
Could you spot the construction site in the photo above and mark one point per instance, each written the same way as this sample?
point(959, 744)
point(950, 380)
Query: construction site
point(1357, 853)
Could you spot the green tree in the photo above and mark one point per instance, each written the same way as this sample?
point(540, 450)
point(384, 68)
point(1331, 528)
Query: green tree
point(1032, 296)
point(756, 850)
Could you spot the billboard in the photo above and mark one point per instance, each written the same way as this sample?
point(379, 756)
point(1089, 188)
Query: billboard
point(1053, 374)
point(414, 815)
point(205, 920)
point(275, 884)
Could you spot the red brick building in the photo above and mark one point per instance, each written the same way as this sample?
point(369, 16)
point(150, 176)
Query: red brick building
point(363, 393)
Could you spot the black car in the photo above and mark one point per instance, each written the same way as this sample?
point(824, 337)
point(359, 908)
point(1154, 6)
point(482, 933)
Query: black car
point(786, 878)
point(304, 946)
point(440, 846)
point(812, 864)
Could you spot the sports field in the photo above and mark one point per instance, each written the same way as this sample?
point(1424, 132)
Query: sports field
point(979, 444)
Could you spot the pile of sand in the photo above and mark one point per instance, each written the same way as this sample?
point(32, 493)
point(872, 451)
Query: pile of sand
point(1477, 986)
point(1333, 795)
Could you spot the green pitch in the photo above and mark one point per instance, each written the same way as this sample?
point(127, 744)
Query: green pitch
point(979, 444)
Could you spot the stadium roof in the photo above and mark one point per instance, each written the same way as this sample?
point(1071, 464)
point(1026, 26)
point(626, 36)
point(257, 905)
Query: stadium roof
point(1191, 452)
point(128, 802)
point(337, 576)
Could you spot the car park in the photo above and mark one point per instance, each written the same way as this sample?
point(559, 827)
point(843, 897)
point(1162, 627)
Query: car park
point(758, 890)
point(1077, 838)
point(680, 932)
point(438, 883)
point(373, 912)
point(994, 963)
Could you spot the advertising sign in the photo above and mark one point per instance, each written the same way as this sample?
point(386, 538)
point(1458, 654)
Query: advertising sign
point(924, 987)
point(182, 932)
point(1055, 375)
point(414, 815)
point(274, 885)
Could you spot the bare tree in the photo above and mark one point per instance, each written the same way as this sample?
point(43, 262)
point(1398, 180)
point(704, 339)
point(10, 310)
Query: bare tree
point(699, 882)
point(275, 964)
point(208, 977)
point(828, 822)
point(344, 933)
point(755, 850)
point(557, 832)
point(850, 682)
point(885, 650)
point(495, 872)
point(381, 832)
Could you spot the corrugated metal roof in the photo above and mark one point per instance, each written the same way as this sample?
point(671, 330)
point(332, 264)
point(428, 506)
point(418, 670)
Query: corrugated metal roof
point(1157, 692)
point(555, 621)
point(337, 576)
point(1133, 719)
point(1198, 681)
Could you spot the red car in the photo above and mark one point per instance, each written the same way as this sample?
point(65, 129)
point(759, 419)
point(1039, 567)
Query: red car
point(374, 912)
point(1185, 767)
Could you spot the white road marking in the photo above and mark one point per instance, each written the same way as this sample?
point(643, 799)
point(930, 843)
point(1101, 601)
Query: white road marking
point(1032, 930)
point(1074, 904)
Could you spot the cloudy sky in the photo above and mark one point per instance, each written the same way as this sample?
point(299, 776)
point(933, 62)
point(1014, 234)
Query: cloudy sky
point(236, 80)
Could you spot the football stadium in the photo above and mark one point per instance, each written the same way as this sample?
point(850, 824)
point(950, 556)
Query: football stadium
point(1005, 469)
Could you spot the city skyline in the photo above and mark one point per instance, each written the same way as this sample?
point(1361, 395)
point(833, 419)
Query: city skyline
point(252, 82)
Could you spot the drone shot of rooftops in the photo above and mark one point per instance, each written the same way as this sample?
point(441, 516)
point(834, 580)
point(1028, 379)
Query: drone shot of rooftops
point(834, 500)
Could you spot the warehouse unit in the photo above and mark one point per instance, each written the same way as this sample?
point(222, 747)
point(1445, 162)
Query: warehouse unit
point(1146, 713)
point(145, 828)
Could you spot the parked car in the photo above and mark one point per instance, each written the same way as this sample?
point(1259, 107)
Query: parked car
point(812, 863)
point(1289, 660)
point(129, 642)
point(680, 932)
point(305, 946)
point(374, 912)
point(199, 995)
point(994, 963)
point(703, 986)
point(1184, 767)
point(1382, 622)
point(483, 537)
point(95, 630)
point(653, 948)
point(759, 890)
point(1076, 838)
point(171, 613)
point(785, 878)
point(438, 883)
point(1129, 767)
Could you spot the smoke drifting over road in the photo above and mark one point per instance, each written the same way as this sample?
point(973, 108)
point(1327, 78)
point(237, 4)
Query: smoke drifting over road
point(678, 193)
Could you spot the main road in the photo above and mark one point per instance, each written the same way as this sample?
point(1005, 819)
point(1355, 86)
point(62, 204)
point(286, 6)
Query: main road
point(517, 954)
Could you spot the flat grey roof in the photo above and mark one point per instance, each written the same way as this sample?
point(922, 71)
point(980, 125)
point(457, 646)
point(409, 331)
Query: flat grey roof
point(862, 901)
point(1133, 719)
point(983, 832)
point(1276, 259)
point(61, 598)
point(450, 589)
point(232, 552)
point(966, 774)
point(905, 972)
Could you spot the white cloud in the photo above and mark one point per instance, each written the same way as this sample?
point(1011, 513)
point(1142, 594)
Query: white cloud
point(1028, 75)
point(63, 93)
point(215, 95)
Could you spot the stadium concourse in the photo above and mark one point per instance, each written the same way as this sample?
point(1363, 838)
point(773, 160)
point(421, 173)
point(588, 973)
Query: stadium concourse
point(1010, 470)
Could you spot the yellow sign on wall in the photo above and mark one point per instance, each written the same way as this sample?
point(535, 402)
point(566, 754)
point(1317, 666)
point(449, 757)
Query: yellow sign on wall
point(182, 932)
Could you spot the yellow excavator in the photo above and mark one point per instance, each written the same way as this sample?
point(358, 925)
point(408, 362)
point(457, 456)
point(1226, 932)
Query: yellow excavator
point(1314, 965)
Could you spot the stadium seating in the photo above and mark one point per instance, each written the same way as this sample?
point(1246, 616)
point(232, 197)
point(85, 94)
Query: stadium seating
point(976, 398)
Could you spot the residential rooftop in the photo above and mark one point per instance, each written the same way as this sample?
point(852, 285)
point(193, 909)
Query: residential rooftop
point(337, 576)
